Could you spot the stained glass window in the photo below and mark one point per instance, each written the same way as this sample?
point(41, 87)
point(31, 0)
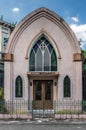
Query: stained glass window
point(39, 60)
point(18, 87)
point(42, 56)
point(46, 61)
point(67, 87)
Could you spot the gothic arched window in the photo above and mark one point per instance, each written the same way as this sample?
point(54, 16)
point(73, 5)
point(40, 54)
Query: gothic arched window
point(67, 87)
point(42, 56)
point(18, 87)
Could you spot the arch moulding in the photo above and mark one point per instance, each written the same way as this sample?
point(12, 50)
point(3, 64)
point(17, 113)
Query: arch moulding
point(42, 32)
point(42, 12)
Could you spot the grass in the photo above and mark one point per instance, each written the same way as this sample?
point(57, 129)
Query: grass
point(67, 111)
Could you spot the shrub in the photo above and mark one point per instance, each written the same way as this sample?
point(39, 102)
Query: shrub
point(1, 93)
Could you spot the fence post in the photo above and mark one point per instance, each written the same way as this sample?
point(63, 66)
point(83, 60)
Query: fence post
point(55, 106)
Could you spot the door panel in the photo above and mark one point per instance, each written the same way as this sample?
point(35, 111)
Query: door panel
point(48, 101)
point(37, 93)
point(43, 94)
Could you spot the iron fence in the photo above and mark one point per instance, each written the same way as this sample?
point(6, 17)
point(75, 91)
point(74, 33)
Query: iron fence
point(22, 107)
point(70, 107)
point(15, 107)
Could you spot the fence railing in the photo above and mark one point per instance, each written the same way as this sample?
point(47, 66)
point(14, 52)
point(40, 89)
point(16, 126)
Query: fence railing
point(15, 107)
point(70, 107)
point(19, 107)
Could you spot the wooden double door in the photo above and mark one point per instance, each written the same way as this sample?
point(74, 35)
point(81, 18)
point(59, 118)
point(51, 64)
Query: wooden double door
point(43, 94)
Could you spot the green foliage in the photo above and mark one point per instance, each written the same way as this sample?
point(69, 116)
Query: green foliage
point(68, 111)
point(84, 59)
point(83, 53)
point(1, 93)
point(20, 112)
point(3, 109)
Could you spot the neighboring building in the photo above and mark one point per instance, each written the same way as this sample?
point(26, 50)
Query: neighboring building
point(5, 31)
point(43, 61)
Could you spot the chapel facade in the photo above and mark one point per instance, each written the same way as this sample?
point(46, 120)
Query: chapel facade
point(42, 61)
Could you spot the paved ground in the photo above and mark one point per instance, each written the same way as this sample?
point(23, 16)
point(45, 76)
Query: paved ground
point(41, 124)
point(41, 127)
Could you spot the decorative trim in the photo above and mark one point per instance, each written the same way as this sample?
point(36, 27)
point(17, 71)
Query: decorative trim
point(77, 57)
point(42, 74)
point(7, 57)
